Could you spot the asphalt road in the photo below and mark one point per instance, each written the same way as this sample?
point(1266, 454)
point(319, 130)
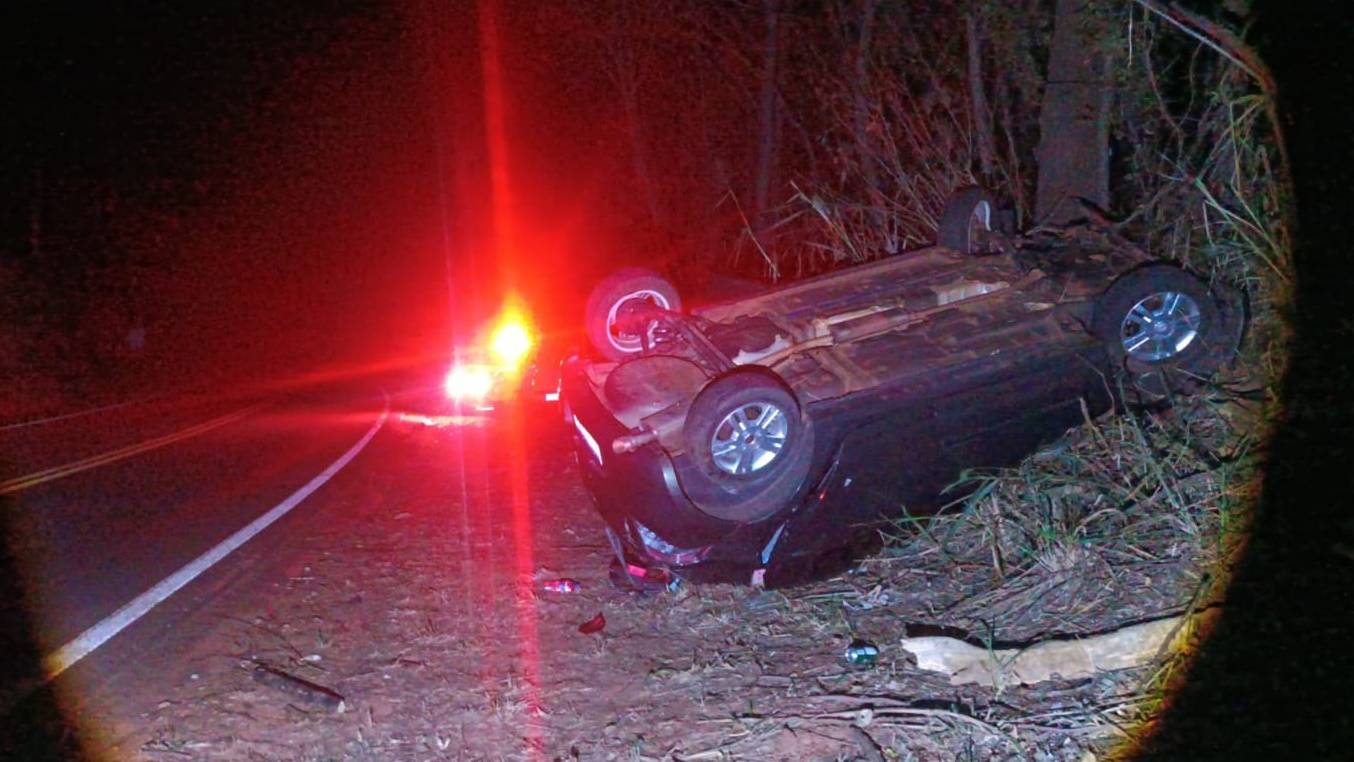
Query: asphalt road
point(122, 522)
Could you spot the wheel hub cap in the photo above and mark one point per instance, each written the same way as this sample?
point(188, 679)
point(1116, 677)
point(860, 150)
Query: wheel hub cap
point(749, 438)
point(1160, 326)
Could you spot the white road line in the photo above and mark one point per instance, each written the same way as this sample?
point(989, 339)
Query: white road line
point(58, 662)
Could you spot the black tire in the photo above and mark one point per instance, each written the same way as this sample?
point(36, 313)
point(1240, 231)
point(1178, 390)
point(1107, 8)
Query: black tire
point(612, 296)
point(747, 473)
point(969, 219)
point(1164, 326)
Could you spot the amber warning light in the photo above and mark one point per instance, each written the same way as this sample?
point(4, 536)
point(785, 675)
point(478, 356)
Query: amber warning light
point(511, 343)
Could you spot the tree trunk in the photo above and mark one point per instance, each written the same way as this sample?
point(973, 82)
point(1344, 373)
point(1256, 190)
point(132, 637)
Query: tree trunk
point(767, 128)
point(982, 115)
point(624, 57)
point(639, 147)
point(1074, 117)
point(864, 145)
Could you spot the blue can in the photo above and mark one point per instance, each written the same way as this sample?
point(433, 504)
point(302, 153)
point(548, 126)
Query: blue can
point(862, 652)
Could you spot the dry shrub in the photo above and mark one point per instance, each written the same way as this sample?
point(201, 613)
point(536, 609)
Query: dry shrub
point(893, 117)
point(1204, 172)
point(1199, 173)
point(1201, 179)
point(1136, 485)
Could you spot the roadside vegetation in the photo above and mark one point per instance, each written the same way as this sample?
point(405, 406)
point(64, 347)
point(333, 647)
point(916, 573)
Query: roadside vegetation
point(872, 119)
point(1049, 547)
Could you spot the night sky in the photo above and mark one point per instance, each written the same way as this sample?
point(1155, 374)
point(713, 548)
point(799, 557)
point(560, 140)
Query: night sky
point(265, 188)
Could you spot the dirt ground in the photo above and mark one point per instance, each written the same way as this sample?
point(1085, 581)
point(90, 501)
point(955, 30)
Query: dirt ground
point(421, 604)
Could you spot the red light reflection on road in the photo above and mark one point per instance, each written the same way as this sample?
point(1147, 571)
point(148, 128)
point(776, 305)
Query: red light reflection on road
point(442, 421)
point(504, 238)
point(524, 566)
point(498, 563)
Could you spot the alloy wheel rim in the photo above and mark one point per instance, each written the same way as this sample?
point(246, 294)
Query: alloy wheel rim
point(1160, 326)
point(750, 438)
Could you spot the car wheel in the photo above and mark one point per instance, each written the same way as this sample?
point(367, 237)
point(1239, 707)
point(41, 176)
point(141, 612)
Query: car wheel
point(750, 443)
point(617, 296)
point(1164, 326)
point(968, 221)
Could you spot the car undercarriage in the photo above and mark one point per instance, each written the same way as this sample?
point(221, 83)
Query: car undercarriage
point(821, 407)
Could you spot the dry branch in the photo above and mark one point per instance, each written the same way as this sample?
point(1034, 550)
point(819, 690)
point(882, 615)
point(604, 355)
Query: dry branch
point(1228, 45)
point(299, 687)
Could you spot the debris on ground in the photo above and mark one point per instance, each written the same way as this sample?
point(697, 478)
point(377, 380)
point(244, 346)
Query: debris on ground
point(561, 586)
point(434, 629)
point(299, 687)
point(862, 653)
point(1045, 661)
point(596, 624)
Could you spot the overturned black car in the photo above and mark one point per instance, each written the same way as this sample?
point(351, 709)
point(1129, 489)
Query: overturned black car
point(753, 439)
